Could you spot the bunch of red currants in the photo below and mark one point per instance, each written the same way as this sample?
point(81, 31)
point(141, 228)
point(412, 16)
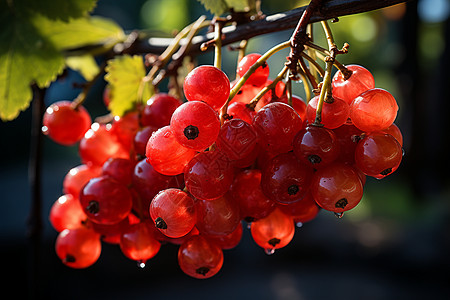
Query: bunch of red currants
point(189, 174)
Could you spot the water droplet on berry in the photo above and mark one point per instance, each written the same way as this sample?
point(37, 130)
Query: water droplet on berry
point(299, 224)
point(141, 264)
point(44, 130)
point(269, 251)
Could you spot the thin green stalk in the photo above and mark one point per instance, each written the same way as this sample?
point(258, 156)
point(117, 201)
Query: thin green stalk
point(267, 88)
point(218, 44)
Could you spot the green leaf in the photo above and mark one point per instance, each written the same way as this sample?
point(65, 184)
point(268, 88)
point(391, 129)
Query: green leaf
point(78, 33)
point(26, 57)
point(60, 9)
point(238, 5)
point(125, 75)
point(84, 64)
point(216, 7)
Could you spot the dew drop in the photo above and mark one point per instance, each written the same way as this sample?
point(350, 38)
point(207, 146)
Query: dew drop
point(269, 251)
point(141, 264)
point(299, 224)
point(44, 130)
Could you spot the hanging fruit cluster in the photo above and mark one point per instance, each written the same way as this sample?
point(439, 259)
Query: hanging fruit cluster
point(192, 173)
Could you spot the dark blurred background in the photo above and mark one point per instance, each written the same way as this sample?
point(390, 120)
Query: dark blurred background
point(394, 245)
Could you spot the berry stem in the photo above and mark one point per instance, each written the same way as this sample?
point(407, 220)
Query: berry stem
point(79, 100)
point(218, 25)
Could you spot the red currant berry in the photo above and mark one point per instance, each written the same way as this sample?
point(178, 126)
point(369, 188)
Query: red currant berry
point(208, 84)
point(259, 77)
point(378, 154)
point(274, 231)
point(348, 137)
point(66, 213)
point(200, 258)
point(64, 124)
point(359, 81)
point(373, 110)
point(334, 113)
point(239, 110)
point(121, 169)
point(159, 110)
point(165, 154)
point(141, 139)
point(77, 178)
point(301, 211)
point(105, 200)
point(173, 212)
point(277, 124)
point(195, 125)
point(337, 187)
point(78, 248)
point(228, 241)
point(237, 139)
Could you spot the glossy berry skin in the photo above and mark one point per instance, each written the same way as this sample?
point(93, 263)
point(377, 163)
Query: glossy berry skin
point(147, 182)
point(228, 241)
point(173, 212)
point(237, 139)
point(125, 129)
point(334, 114)
point(64, 124)
point(208, 175)
point(105, 200)
point(138, 242)
point(99, 144)
point(373, 110)
point(298, 104)
point(200, 258)
point(285, 179)
point(337, 187)
point(395, 132)
point(277, 124)
point(158, 110)
point(208, 84)
point(165, 154)
point(316, 145)
point(348, 137)
point(301, 211)
point(359, 81)
point(274, 231)
point(77, 177)
point(217, 217)
point(66, 213)
point(247, 192)
point(121, 169)
point(195, 125)
point(259, 77)
point(239, 110)
point(378, 154)
point(141, 139)
point(78, 248)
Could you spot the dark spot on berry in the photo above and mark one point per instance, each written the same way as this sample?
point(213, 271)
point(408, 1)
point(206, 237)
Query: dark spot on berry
point(386, 172)
point(293, 189)
point(69, 258)
point(191, 132)
point(160, 223)
point(264, 65)
point(341, 203)
point(314, 159)
point(93, 207)
point(202, 271)
point(240, 92)
point(274, 241)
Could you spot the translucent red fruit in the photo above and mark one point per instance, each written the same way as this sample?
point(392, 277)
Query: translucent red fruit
point(373, 110)
point(246, 191)
point(259, 77)
point(334, 113)
point(240, 110)
point(64, 124)
point(78, 248)
point(378, 154)
point(138, 242)
point(208, 84)
point(121, 169)
point(395, 132)
point(228, 241)
point(195, 125)
point(217, 217)
point(316, 145)
point(359, 81)
point(158, 110)
point(208, 175)
point(337, 187)
point(298, 104)
point(274, 231)
point(237, 139)
point(100, 143)
point(277, 124)
point(199, 257)
point(105, 200)
point(77, 177)
point(141, 139)
point(285, 179)
point(125, 129)
point(66, 213)
point(347, 137)
point(165, 154)
point(301, 211)
point(173, 212)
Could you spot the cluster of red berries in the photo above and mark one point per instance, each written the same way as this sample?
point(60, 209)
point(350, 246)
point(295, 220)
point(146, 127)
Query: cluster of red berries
point(184, 174)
